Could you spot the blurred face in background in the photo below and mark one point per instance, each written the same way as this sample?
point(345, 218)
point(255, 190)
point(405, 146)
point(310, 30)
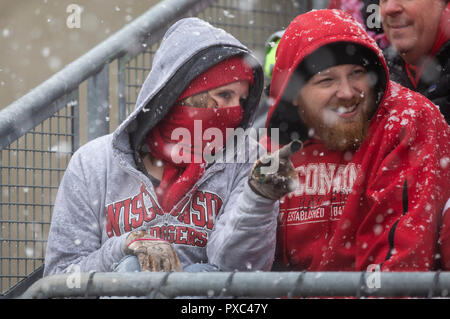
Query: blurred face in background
point(411, 25)
point(336, 105)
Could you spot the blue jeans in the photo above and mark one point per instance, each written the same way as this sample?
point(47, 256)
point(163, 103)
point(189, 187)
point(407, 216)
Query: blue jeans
point(130, 263)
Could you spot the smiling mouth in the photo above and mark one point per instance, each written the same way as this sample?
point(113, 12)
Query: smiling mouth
point(342, 110)
point(399, 26)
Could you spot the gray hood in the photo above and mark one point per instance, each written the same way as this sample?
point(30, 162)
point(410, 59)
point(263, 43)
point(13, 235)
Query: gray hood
point(175, 65)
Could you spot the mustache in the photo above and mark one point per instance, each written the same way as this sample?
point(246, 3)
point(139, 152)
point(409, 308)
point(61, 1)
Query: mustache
point(348, 103)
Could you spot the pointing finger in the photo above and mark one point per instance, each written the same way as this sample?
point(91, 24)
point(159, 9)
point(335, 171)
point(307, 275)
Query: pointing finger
point(289, 149)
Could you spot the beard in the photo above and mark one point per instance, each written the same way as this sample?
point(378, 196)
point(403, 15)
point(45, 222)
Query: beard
point(340, 134)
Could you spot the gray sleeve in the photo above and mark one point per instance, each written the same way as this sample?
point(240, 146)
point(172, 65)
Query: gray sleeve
point(244, 237)
point(75, 237)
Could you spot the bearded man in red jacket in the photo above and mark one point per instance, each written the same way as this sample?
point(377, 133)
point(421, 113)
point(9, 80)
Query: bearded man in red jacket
point(373, 174)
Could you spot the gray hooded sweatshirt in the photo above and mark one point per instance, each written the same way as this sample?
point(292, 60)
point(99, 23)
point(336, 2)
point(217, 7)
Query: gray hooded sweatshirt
point(105, 193)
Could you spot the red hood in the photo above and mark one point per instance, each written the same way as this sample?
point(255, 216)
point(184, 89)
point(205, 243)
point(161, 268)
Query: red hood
point(307, 33)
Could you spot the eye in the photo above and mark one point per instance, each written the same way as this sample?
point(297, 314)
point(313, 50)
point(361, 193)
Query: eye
point(324, 81)
point(358, 71)
point(226, 95)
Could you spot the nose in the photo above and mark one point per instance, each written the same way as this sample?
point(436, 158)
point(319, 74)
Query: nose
point(345, 90)
point(390, 7)
point(236, 101)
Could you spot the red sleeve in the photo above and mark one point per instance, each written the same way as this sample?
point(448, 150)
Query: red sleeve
point(406, 191)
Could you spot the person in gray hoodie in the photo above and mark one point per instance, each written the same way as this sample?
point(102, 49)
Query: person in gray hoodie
point(120, 196)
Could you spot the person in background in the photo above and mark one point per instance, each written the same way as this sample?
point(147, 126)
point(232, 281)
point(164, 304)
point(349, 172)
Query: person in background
point(271, 49)
point(145, 197)
point(419, 59)
point(269, 61)
point(372, 175)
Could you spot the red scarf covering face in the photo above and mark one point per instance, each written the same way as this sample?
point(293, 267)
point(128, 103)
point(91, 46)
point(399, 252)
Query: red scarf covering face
point(183, 159)
point(443, 36)
point(182, 156)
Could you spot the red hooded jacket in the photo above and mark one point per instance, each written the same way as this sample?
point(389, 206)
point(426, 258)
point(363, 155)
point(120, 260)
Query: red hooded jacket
point(380, 205)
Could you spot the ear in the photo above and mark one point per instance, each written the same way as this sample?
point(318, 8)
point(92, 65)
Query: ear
point(295, 100)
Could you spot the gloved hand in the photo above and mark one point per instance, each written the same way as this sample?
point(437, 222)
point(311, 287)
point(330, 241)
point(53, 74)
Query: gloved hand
point(273, 175)
point(154, 254)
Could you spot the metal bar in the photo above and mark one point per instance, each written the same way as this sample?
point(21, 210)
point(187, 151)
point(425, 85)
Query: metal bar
point(243, 284)
point(16, 251)
point(98, 104)
point(33, 108)
point(74, 103)
point(121, 84)
point(18, 289)
point(1, 216)
point(34, 193)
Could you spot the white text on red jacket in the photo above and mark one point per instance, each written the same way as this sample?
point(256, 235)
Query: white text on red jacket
point(321, 194)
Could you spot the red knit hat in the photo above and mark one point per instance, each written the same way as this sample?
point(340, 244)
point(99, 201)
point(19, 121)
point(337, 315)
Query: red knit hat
point(225, 72)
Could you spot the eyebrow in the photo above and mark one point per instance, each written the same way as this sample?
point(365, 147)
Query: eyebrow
point(328, 71)
point(231, 91)
point(323, 73)
point(221, 90)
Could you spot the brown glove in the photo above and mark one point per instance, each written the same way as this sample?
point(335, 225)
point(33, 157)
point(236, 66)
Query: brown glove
point(273, 175)
point(154, 254)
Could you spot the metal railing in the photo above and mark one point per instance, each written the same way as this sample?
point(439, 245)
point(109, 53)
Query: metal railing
point(244, 284)
point(40, 131)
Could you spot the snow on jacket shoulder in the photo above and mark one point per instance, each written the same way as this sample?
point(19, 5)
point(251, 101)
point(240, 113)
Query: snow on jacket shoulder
point(103, 195)
point(379, 205)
